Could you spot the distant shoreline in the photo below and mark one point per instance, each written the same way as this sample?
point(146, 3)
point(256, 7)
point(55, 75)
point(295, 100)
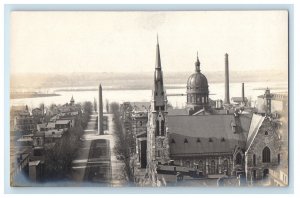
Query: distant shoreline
point(113, 88)
point(30, 95)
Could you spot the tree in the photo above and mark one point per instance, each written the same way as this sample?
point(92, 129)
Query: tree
point(123, 140)
point(107, 106)
point(95, 105)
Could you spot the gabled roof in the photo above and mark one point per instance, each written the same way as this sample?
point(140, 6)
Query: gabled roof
point(256, 122)
point(217, 133)
point(202, 126)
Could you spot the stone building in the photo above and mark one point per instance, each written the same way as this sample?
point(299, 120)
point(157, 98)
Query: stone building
point(262, 149)
point(211, 139)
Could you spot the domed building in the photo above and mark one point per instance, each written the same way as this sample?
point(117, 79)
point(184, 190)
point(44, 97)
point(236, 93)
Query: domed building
point(197, 90)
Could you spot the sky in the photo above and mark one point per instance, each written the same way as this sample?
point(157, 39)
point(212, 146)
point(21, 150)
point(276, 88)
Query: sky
point(82, 41)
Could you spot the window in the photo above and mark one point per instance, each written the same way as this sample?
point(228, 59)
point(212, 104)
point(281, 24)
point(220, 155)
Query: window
point(254, 174)
point(198, 140)
point(157, 128)
point(278, 158)
point(223, 140)
point(173, 141)
point(141, 123)
point(162, 128)
point(266, 155)
point(185, 140)
point(265, 173)
point(210, 140)
point(254, 160)
point(266, 133)
point(238, 159)
point(157, 153)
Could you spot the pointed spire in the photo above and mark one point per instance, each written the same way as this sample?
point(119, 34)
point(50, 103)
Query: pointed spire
point(197, 64)
point(157, 62)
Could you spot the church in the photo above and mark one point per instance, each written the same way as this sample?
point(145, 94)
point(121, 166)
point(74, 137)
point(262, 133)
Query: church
point(215, 141)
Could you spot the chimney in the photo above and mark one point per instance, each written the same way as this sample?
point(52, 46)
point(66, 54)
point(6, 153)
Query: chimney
point(243, 93)
point(227, 99)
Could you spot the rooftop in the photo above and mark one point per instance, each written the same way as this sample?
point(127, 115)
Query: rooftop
point(207, 133)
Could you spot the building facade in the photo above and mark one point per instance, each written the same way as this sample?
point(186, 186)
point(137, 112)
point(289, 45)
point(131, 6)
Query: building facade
point(214, 140)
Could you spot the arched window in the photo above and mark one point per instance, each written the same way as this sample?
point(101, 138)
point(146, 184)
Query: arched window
point(265, 173)
point(157, 128)
point(185, 140)
point(162, 128)
point(238, 159)
point(173, 141)
point(254, 160)
point(266, 155)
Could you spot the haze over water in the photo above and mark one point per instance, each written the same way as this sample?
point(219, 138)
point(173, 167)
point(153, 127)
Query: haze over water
point(252, 89)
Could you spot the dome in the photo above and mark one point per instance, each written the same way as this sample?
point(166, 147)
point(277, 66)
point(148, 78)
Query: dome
point(197, 82)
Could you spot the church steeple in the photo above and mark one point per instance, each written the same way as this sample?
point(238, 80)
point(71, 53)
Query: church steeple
point(197, 64)
point(157, 138)
point(157, 62)
point(158, 91)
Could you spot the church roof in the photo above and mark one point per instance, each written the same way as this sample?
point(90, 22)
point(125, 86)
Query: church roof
point(198, 82)
point(256, 122)
point(206, 134)
point(173, 112)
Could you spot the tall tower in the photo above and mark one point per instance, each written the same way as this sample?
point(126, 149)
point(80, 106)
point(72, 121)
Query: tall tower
point(227, 99)
point(157, 140)
point(100, 113)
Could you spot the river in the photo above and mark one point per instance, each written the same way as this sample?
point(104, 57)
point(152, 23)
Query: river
point(252, 89)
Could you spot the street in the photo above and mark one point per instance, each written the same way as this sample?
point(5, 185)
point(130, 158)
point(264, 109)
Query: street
point(96, 163)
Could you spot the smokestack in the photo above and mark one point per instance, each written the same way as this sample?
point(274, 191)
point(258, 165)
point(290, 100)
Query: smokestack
point(227, 99)
point(100, 113)
point(243, 93)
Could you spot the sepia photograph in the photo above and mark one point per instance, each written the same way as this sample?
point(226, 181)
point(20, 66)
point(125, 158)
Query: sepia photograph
point(149, 98)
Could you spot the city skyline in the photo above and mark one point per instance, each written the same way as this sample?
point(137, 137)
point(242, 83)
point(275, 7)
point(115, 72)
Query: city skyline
point(67, 42)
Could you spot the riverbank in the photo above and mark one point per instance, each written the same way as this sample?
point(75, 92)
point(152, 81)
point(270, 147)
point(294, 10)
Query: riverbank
point(20, 95)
